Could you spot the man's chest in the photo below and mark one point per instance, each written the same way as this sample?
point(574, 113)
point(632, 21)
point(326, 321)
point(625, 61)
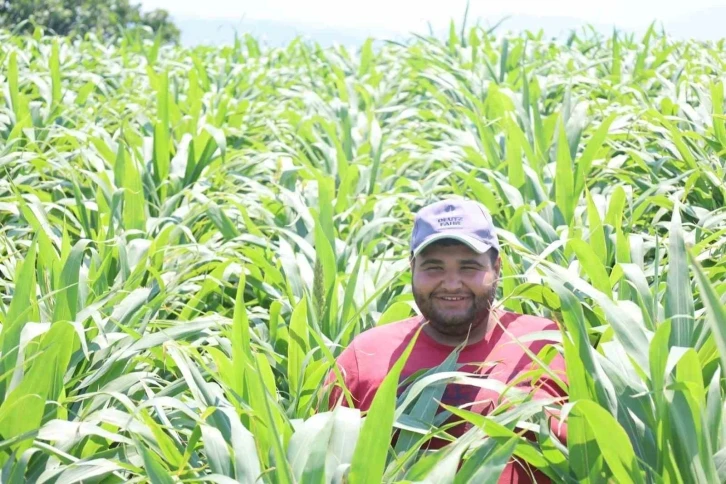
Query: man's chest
point(484, 372)
point(481, 377)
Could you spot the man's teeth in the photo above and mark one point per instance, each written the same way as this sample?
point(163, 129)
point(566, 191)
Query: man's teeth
point(452, 298)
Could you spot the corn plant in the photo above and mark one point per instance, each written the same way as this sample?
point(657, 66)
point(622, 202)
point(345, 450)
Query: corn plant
point(189, 237)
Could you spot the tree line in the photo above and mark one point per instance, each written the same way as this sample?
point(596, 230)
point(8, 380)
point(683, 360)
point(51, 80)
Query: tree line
point(106, 18)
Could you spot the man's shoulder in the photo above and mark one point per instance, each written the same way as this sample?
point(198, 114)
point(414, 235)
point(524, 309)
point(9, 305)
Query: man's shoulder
point(391, 334)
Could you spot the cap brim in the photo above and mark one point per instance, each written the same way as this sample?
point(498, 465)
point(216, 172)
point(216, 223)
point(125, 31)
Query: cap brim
point(475, 245)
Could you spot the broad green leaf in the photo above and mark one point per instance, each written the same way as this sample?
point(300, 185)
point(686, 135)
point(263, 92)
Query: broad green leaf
point(66, 304)
point(298, 345)
point(584, 162)
point(155, 471)
point(215, 447)
point(612, 440)
point(718, 118)
point(426, 406)
point(42, 381)
point(246, 460)
point(55, 74)
point(395, 312)
point(19, 104)
point(514, 156)
point(596, 236)
point(616, 66)
point(678, 295)
point(21, 310)
point(592, 266)
point(128, 177)
point(161, 136)
point(168, 448)
point(240, 338)
point(369, 459)
point(283, 472)
point(715, 311)
point(308, 448)
point(564, 178)
point(491, 463)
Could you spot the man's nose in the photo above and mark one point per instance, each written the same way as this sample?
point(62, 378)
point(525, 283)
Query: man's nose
point(451, 282)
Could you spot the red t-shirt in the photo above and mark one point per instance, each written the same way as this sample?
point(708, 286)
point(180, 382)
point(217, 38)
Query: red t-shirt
point(366, 362)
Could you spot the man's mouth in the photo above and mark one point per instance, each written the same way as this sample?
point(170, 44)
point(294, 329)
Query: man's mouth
point(452, 298)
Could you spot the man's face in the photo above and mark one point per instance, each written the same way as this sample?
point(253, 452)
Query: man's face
point(454, 287)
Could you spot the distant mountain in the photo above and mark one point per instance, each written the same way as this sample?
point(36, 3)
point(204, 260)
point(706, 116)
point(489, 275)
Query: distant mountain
point(704, 25)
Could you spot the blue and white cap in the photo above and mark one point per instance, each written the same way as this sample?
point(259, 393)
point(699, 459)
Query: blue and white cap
point(464, 220)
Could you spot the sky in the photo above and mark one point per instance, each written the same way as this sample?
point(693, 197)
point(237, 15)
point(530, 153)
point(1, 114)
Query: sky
point(403, 16)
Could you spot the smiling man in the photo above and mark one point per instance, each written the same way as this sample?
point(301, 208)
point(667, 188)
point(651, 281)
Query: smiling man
point(455, 267)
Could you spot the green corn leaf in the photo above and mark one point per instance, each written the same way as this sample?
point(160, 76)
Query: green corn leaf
point(155, 471)
point(22, 309)
point(161, 136)
point(718, 115)
point(19, 104)
point(167, 446)
point(492, 462)
point(584, 163)
point(55, 75)
point(426, 407)
point(240, 338)
point(592, 266)
point(66, 305)
point(616, 66)
point(715, 311)
point(514, 156)
point(366, 58)
point(596, 231)
point(613, 441)
point(678, 296)
point(298, 345)
point(369, 459)
point(283, 472)
point(23, 408)
point(220, 461)
point(564, 181)
point(614, 215)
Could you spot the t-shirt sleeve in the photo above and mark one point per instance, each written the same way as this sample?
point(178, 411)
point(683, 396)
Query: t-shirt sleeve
point(347, 362)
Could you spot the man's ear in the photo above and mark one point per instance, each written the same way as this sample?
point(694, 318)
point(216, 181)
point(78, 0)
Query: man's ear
point(498, 265)
point(411, 262)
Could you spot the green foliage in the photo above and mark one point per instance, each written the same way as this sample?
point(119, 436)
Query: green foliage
point(189, 237)
point(77, 17)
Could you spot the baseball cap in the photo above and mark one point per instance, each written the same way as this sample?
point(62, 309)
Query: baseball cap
point(464, 220)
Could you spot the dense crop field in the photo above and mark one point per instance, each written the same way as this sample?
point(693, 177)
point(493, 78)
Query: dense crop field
point(188, 238)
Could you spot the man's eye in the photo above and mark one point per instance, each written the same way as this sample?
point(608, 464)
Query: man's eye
point(470, 268)
point(433, 268)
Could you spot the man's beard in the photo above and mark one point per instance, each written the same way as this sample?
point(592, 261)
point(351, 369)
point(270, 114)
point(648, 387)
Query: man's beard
point(458, 324)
